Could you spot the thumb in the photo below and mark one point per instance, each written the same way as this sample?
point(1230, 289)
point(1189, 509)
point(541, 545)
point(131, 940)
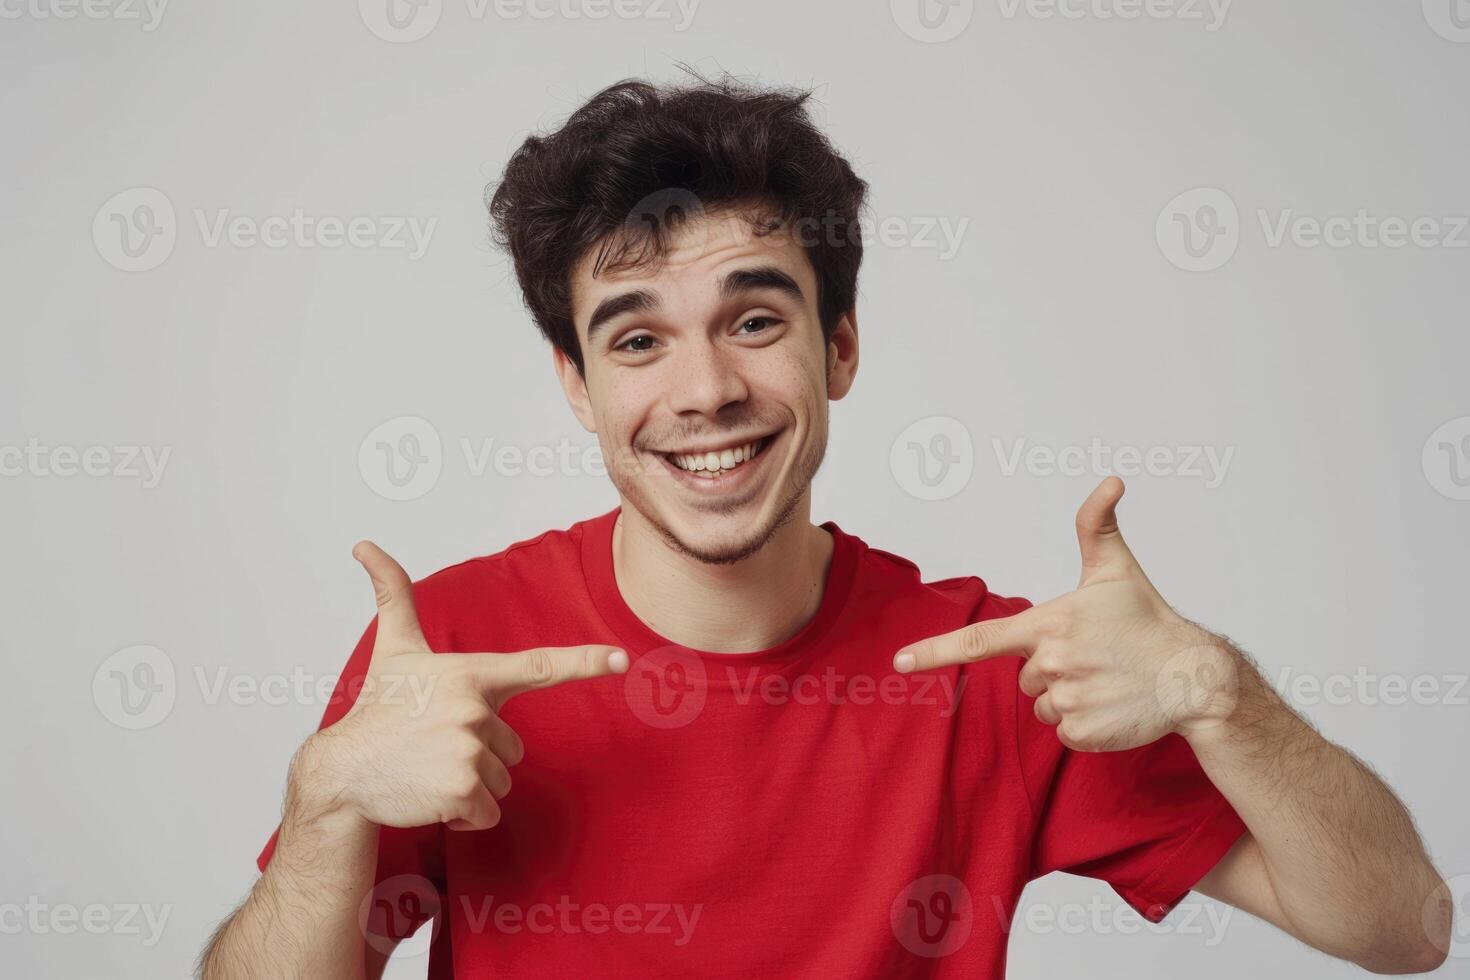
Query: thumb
point(1098, 537)
point(398, 620)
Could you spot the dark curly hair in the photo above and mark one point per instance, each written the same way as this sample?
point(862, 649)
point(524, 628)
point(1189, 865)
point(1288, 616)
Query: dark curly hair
point(634, 160)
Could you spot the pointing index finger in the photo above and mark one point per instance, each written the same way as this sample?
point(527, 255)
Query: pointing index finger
point(1009, 636)
point(505, 675)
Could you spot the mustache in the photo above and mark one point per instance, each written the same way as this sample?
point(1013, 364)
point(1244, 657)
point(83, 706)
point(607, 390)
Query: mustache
point(739, 422)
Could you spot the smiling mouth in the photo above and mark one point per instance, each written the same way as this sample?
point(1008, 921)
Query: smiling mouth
point(710, 464)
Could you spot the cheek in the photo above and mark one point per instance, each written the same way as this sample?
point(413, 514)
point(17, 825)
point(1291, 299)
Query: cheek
point(796, 381)
point(622, 407)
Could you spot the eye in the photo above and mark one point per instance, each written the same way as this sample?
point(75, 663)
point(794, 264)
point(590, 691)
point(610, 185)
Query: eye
point(637, 343)
point(760, 322)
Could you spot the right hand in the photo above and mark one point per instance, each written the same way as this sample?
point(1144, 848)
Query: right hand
point(424, 742)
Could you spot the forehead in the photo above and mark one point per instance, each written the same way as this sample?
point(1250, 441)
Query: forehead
point(699, 252)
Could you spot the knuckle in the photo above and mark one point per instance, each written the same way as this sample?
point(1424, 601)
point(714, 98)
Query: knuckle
point(538, 668)
point(458, 677)
point(1049, 663)
point(464, 784)
point(1053, 623)
point(468, 747)
point(501, 789)
point(515, 749)
point(975, 641)
point(472, 711)
point(1068, 735)
point(1079, 736)
point(1046, 712)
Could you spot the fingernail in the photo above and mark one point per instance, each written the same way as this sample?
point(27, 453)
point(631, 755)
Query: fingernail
point(617, 661)
point(903, 663)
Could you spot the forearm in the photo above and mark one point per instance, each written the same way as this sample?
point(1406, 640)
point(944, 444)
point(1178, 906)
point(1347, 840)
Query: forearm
point(301, 918)
point(1346, 867)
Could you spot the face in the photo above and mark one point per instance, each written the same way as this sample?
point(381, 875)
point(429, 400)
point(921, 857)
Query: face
point(706, 379)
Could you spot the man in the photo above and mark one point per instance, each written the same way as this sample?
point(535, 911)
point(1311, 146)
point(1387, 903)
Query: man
point(744, 744)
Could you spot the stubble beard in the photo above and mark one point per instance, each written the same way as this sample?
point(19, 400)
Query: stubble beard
point(807, 467)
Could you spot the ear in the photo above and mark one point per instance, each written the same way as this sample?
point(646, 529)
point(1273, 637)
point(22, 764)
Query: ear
point(574, 386)
point(842, 356)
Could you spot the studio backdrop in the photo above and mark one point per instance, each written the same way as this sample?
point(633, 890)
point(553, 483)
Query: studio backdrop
point(252, 314)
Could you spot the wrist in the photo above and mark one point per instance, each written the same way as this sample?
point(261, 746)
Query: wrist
point(1203, 681)
point(325, 849)
point(1233, 695)
point(317, 794)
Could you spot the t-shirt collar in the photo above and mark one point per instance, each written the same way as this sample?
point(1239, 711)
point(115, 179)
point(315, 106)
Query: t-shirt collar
point(638, 638)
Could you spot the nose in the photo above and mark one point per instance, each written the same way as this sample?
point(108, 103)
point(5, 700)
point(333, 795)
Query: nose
point(705, 380)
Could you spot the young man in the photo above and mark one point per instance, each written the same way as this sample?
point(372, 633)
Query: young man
point(744, 744)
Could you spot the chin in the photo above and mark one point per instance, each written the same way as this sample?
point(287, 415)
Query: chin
point(726, 545)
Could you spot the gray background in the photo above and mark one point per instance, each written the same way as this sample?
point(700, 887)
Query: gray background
point(1335, 543)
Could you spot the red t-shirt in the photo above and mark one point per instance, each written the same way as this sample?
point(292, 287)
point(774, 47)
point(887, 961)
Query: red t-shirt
point(799, 811)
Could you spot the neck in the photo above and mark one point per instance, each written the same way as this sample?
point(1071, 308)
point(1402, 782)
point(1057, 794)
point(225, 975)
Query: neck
point(753, 604)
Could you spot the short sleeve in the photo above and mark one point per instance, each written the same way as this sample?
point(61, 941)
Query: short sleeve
point(416, 851)
point(1147, 821)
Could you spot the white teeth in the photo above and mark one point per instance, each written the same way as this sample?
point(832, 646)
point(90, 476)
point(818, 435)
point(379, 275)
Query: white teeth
point(714, 463)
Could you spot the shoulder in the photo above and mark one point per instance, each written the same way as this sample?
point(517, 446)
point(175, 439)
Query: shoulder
point(884, 574)
point(518, 576)
point(548, 547)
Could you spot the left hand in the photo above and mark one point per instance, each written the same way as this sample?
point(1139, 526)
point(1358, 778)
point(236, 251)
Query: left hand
point(1111, 665)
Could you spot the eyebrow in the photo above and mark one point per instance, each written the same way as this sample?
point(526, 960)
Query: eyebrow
point(733, 284)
